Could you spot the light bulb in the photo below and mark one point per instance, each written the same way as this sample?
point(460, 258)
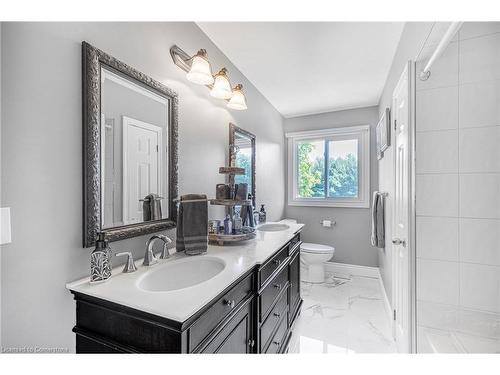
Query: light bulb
point(200, 71)
point(238, 100)
point(222, 87)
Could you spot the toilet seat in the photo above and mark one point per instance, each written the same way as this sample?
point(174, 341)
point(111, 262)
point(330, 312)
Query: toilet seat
point(315, 248)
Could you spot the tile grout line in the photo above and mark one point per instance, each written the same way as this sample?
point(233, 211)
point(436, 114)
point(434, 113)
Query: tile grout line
point(459, 159)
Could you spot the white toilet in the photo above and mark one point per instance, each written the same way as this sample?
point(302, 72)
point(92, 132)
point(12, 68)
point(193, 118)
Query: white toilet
point(314, 256)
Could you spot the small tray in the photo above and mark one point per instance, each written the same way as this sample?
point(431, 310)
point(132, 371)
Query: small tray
point(221, 239)
point(230, 202)
point(231, 170)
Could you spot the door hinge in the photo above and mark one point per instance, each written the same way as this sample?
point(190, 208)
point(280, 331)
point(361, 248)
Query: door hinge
point(394, 314)
point(157, 148)
point(395, 124)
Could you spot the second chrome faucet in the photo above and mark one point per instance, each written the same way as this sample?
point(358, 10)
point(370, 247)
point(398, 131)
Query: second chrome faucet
point(149, 258)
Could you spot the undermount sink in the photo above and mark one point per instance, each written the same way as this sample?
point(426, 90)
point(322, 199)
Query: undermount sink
point(180, 274)
point(273, 227)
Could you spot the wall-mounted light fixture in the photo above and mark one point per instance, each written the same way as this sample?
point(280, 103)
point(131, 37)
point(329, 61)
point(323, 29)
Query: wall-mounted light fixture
point(199, 71)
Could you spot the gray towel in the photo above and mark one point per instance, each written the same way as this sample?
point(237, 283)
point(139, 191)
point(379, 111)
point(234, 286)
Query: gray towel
point(378, 222)
point(192, 224)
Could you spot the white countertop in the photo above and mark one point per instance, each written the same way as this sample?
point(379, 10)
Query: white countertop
point(181, 304)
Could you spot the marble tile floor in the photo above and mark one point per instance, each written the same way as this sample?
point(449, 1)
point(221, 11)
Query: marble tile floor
point(344, 315)
point(432, 340)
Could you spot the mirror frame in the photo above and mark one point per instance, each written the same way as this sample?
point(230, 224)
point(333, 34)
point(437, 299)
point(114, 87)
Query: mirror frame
point(92, 61)
point(233, 129)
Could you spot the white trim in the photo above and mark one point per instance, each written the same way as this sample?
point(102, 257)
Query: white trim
point(339, 269)
point(327, 132)
point(113, 77)
point(387, 304)
point(362, 133)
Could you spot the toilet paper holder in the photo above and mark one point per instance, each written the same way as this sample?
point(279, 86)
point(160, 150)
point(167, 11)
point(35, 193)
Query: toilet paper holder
point(332, 223)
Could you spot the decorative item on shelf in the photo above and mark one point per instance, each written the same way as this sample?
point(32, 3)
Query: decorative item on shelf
point(228, 225)
point(231, 170)
point(222, 191)
point(100, 260)
point(383, 131)
point(199, 71)
point(236, 226)
point(262, 214)
point(240, 191)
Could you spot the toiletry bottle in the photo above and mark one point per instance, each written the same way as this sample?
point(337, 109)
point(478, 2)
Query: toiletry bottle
point(100, 260)
point(228, 225)
point(262, 214)
point(256, 217)
point(237, 224)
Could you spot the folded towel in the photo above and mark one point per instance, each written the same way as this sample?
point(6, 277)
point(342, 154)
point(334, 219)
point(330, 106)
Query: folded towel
point(378, 222)
point(192, 224)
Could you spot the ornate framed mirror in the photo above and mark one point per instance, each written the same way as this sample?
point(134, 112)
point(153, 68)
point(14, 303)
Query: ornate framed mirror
point(130, 150)
point(242, 154)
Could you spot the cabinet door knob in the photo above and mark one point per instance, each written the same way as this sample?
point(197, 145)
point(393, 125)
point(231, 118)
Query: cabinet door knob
point(277, 343)
point(251, 343)
point(277, 315)
point(230, 303)
point(277, 261)
point(277, 286)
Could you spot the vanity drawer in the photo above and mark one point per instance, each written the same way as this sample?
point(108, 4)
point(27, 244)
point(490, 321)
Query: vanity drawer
point(267, 270)
point(226, 304)
point(277, 312)
point(271, 291)
point(277, 341)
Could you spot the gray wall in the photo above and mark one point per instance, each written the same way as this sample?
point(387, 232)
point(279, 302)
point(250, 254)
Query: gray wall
point(1, 246)
point(351, 235)
point(42, 154)
point(412, 40)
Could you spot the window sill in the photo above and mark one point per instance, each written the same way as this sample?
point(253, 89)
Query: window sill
point(306, 203)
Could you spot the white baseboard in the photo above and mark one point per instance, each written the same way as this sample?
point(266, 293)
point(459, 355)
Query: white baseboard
point(344, 269)
point(387, 304)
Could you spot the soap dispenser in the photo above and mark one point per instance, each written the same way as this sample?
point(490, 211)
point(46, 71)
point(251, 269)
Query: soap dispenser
point(100, 260)
point(262, 214)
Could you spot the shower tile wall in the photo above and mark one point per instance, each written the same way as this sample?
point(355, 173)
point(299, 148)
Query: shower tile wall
point(458, 195)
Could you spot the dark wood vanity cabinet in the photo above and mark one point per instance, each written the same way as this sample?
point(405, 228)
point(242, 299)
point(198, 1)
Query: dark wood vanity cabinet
point(253, 315)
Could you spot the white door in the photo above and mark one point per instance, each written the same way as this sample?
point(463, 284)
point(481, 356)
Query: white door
point(401, 220)
point(141, 166)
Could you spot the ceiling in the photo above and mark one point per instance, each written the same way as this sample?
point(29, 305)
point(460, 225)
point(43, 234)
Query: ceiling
point(311, 67)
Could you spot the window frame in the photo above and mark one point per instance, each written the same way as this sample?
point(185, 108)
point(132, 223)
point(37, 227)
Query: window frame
point(362, 134)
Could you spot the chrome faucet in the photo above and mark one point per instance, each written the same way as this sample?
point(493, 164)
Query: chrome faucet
point(149, 257)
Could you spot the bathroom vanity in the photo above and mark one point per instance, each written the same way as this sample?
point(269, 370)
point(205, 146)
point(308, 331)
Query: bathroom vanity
point(249, 306)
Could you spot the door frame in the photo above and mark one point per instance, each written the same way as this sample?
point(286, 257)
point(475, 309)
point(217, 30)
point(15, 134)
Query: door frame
point(410, 67)
point(126, 121)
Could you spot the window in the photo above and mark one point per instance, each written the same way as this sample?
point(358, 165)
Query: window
point(329, 167)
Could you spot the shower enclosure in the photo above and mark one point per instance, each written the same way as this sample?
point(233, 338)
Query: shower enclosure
point(457, 189)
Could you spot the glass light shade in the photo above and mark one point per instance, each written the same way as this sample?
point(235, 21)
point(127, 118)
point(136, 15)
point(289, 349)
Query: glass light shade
point(238, 100)
point(222, 87)
point(200, 71)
